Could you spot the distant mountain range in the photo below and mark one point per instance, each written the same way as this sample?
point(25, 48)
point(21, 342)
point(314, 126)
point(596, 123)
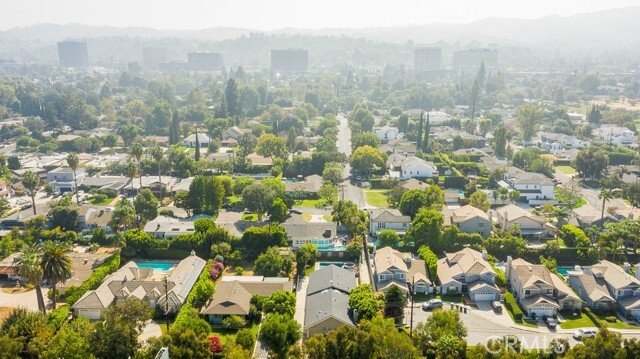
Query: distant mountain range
point(609, 28)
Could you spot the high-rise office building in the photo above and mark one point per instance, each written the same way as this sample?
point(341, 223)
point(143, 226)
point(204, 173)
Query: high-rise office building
point(152, 56)
point(475, 57)
point(205, 61)
point(290, 60)
point(73, 54)
point(426, 58)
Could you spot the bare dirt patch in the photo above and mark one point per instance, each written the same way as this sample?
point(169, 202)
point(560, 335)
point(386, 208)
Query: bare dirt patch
point(9, 289)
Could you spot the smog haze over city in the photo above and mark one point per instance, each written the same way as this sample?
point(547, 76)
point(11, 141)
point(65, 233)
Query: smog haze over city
point(240, 179)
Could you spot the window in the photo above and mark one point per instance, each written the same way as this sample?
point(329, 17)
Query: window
point(527, 292)
point(480, 224)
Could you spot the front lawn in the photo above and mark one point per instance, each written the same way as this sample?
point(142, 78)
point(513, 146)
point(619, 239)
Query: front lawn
point(229, 335)
point(328, 218)
point(105, 202)
point(619, 324)
point(567, 169)
point(377, 198)
point(249, 217)
point(575, 321)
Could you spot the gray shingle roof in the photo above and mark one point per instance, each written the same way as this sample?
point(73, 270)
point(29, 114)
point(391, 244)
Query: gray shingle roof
point(331, 277)
point(326, 304)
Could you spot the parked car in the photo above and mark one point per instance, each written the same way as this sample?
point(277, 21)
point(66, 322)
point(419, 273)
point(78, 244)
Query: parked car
point(432, 304)
point(585, 333)
point(497, 307)
point(551, 322)
point(296, 211)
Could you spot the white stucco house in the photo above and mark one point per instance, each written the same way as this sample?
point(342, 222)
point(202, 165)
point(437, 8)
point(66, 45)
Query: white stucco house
point(616, 135)
point(190, 141)
point(388, 218)
point(61, 179)
point(386, 133)
point(535, 188)
point(404, 167)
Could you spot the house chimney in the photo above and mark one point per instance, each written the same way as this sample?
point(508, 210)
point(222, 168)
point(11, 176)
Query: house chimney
point(484, 254)
point(193, 253)
point(508, 267)
point(627, 267)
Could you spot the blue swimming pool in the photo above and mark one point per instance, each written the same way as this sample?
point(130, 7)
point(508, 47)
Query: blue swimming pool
point(157, 266)
point(563, 270)
point(337, 264)
point(333, 248)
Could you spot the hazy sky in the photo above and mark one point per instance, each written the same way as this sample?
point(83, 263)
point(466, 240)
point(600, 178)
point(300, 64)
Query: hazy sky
point(274, 14)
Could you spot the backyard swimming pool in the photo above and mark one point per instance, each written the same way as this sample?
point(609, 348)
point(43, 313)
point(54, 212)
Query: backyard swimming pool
point(337, 264)
point(157, 266)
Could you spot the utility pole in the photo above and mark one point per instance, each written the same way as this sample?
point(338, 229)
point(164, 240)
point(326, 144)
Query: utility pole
point(413, 279)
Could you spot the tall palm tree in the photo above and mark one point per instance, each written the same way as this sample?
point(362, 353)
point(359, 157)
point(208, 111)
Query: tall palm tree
point(132, 171)
point(136, 152)
point(622, 170)
point(605, 195)
point(31, 181)
point(56, 264)
point(157, 155)
point(74, 161)
point(30, 269)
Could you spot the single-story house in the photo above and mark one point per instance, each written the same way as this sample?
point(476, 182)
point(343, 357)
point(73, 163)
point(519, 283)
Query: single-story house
point(233, 295)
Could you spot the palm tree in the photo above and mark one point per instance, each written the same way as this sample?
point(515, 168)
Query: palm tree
point(31, 181)
point(74, 161)
point(30, 268)
point(56, 264)
point(132, 171)
point(157, 155)
point(136, 152)
point(605, 195)
point(622, 170)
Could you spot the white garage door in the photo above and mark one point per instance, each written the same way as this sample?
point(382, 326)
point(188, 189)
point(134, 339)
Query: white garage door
point(635, 313)
point(89, 314)
point(482, 296)
point(542, 312)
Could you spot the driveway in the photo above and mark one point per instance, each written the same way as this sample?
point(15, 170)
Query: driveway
point(25, 300)
point(150, 330)
point(301, 300)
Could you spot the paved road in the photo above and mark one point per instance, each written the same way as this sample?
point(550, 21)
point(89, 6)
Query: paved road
point(344, 141)
point(483, 324)
point(591, 195)
point(347, 191)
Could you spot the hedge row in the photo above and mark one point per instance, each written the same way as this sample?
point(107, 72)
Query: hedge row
point(431, 260)
point(455, 182)
point(380, 183)
point(512, 306)
point(109, 266)
point(594, 318)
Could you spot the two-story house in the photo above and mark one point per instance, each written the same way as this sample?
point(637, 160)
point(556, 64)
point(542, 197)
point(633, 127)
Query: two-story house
point(392, 267)
point(62, 180)
point(468, 272)
point(531, 226)
point(404, 167)
point(386, 133)
point(614, 283)
point(533, 187)
point(616, 135)
point(538, 291)
point(469, 219)
point(388, 218)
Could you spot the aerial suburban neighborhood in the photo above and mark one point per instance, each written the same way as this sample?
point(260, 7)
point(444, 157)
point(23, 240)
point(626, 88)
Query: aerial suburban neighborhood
point(427, 191)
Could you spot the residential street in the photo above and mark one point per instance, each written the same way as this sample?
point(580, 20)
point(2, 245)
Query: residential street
point(346, 190)
point(483, 324)
point(591, 195)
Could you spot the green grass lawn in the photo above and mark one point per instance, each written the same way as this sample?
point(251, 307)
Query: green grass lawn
point(234, 199)
point(619, 324)
point(328, 218)
point(308, 203)
point(249, 217)
point(578, 321)
point(377, 198)
point(567, 169)
point(229, 335)
point(581, 203)
point(102, 203)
